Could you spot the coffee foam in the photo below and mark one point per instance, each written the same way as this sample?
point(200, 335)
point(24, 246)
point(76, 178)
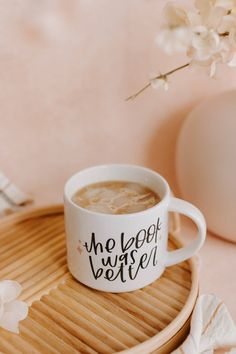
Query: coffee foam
point(116, 197)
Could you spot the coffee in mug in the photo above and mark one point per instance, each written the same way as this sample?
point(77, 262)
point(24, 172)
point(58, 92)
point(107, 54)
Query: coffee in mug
point(116, 197)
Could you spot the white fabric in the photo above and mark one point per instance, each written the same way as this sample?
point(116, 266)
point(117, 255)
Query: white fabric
point(11, 196)
point(211, 328)
point(4, 181)
point(16, 196)
point(5, 206)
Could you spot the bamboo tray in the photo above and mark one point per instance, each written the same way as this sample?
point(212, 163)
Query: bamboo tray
point(68, 317)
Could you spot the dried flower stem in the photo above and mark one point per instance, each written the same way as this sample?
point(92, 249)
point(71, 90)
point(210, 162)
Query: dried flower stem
point(155, 78)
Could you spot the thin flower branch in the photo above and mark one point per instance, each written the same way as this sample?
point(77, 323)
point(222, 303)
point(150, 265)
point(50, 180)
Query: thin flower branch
point(161, 76)
point(206, 34)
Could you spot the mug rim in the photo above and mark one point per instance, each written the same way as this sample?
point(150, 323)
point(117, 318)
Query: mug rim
point(163, 201)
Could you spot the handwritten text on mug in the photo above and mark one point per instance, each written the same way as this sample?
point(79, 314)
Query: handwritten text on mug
point(137, 253)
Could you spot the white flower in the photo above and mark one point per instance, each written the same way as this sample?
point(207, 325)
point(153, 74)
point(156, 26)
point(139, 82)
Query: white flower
point(175, 16)
point(160, 82)
point(210, 14)
point(228, 49)
point(229, 5)
point(227, 24)
point(232, 38)
point(176, 34)
point(232, 61)
point(11, 311)
point(213, 69)
point(208, 67)
point(206, 34)
point(205, 43)
point(204, 6)
point(174, 40)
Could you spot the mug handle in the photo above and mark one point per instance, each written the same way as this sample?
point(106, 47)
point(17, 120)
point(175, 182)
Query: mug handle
point(185, 208)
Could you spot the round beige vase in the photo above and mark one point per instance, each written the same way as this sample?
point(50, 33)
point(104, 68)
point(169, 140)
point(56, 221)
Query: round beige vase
point(206, 162)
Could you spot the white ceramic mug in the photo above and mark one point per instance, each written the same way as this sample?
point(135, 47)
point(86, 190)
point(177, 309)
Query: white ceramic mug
point(124, 252)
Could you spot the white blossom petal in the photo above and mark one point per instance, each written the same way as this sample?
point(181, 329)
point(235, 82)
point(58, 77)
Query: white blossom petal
point(1, 308)
point(175, 16)
point(174, 40)
point(208, 67)
point(9, 322)
point(194, 19)
point(205, 43)
point(227, 24)
point(204, 7)
point(232, 351)
point(19, 308)
point(14, 312)
point(232, 38)
point(213, 69)
point(226, 4)
point(232, 62)
point(215, 17)
point(9, 290)
point(166, 86)
point(160, 83)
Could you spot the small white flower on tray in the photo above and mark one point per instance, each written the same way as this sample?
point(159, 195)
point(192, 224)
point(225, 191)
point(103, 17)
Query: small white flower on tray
point(11, 310)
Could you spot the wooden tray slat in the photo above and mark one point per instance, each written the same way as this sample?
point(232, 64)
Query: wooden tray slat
point(68, 317)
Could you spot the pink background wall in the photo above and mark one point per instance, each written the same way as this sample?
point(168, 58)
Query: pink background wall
point(62, 91)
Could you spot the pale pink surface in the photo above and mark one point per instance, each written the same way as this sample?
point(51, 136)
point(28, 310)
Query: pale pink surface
point(217, 267)
point(206, 171)
point(62, 103)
